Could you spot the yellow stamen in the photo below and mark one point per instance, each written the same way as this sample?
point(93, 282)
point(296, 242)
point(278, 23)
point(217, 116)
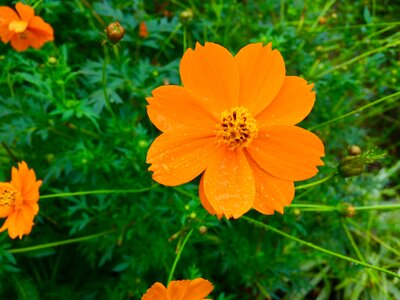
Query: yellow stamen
point(237, 128)
point(18, 26)
point(7, 196)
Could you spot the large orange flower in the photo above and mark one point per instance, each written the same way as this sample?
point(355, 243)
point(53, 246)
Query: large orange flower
point(195, 289)
point(23, 29)
point(234, 119)
point(19, 201)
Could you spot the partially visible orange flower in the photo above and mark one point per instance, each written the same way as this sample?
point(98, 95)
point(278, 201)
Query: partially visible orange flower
point(195, 289)
point(143, 31)
point(19, 201)
point(22, 28)
point(234, 121)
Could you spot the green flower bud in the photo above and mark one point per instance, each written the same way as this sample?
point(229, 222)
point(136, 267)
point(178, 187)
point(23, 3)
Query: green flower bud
point(351, 166)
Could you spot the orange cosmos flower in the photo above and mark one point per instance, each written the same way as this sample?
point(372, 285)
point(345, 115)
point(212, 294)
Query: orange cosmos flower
point(195, 289)
point(23, 28)
point(18, 201)
point(234, 119)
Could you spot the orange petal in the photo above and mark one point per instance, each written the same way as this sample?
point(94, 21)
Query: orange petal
point(7, 15)
point(178, 157)
point(19, 223)
point(177, 289)
point(198, 289)
point(272, 193)
point(25, 12)
point(19, 43)
point(171, 106)
point(204, 200)
point(39, 32)
point(293, 103)
point(287, 152)
point(156, 292)
point(262, 73)
point(229, 183)
point(211, 73)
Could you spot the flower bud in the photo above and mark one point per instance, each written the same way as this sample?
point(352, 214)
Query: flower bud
point(203, 229)
point(186, 16)
point(115, 32)
point(52, 60)
point(354, 150)
point(347, 210)
point(351, 166)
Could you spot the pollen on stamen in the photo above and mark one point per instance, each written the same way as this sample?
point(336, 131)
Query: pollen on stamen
point(237, 128)
point(7, 197)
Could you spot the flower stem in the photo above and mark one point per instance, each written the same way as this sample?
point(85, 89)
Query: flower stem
point(59, 243)
point(104, 81)
point(97, 192)
point(178, 256)
point(383, 99)
point(315, 183)
point(318, 248)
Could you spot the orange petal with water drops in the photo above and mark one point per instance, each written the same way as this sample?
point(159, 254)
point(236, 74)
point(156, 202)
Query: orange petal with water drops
point(171, 106)
point(178, 157)
point(262, 73)
point(287, 152)
point(272, 193)
point(156, 292)
point(198, 289)
point(204, 200)
point(292, 104)
point(229, 183)
point(25, 12)
point(210, 72)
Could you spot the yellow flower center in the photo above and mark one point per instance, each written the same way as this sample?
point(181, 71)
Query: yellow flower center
point(237, 128)
point(18, 26)
point(7, 196)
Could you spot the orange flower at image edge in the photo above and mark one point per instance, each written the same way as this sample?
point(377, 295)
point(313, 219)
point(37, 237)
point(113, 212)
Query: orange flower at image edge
point(22, 28)
point(19, 201)
point(195, 289)
point(234, 121)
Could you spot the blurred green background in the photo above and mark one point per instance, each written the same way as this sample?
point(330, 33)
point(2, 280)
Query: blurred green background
point(53, 115)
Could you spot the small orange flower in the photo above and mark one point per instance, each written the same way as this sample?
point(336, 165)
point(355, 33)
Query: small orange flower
point(23, 29)
point(18, 201)
point(143, 31)
point(195, 289)
point(234, 121)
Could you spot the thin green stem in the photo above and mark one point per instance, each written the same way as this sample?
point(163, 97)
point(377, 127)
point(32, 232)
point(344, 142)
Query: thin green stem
point(9, 152)
point(354, 245)
point(97, 192)
point(383, 99)
point(104, 81)
point(318, 248)
point(378, 207)
point(361, 56)
point(59, 243)
point(178, 256)
point(315, 183)
point(313, 207)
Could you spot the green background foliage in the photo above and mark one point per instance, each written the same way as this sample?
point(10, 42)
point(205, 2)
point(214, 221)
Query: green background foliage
point(53, 115)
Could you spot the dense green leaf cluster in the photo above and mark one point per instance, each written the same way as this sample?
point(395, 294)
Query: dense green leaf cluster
point(54, 114)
